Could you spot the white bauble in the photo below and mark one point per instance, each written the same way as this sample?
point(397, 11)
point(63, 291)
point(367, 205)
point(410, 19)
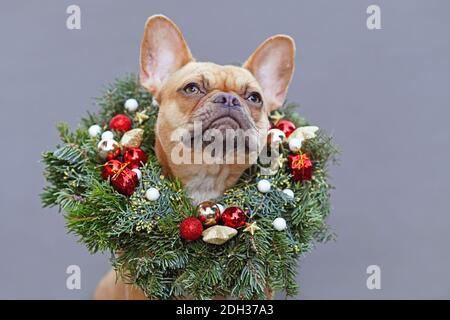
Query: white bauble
point(289, 193)
point(221, 208)
point(276, 136)
point(295, 145)
point(152, 194)
point(131, 105)
point(138, 173)
point(94, 130)
point(107, 135)
point(279, 224)
point(264, 186)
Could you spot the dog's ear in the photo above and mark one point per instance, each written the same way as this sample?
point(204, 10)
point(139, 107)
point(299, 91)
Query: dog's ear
point(163, 51)
point(272, 64)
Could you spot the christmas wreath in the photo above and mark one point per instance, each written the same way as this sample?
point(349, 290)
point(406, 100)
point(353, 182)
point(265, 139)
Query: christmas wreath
point(107, 180)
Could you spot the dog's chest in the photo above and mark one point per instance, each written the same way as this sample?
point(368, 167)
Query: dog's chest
point(207, 182)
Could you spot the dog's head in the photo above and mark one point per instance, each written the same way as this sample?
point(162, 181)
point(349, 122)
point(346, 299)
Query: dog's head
point(219, 97)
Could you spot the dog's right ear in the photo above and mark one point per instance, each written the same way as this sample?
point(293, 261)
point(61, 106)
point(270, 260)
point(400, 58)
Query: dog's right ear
point(163, 51)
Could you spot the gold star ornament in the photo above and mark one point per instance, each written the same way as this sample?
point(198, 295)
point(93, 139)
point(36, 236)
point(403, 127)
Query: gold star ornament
point(251, 228)
point(140, 117)
point(276, 116)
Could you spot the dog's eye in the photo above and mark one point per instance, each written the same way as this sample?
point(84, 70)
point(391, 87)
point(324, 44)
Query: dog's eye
point(192, 88)
point(255, 97)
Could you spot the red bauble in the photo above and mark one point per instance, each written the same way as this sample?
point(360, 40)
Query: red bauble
point(125, 181)
point(191, 229)
point(122, 178)
point(120, 123)
point(135, 157)
point(301, 167)
point(286, 126)
point(111, 168)
point(113, 154)
point(234, 217)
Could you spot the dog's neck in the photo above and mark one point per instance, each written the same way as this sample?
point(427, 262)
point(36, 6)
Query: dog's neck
point(202, 181)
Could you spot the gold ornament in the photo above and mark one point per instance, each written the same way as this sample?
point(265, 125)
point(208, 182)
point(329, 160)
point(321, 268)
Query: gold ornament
point(218, 234)
point(141, 117)
point(304, 133)
point(276, 116)
point(251, 228)
point(132, 138)
point(208, 212)
point(108, 149)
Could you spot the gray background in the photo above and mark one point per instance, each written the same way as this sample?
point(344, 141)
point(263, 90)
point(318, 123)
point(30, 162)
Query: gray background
point(384, 95)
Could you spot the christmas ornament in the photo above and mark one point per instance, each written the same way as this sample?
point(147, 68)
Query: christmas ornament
point(94, 130)
point(125, 181)
point(301, 167)
point(108, 149)
point(275, 137)
point(251, 228)
point(221, 207)
point(107, 135)
point(110, 168)
point(135, 157)
point(276, 116)
point(138, 173)
point(263, 185)
point(233, 217)
point(208, 213)
point(295, 145)
point(279, 224)
point(120, 123)
point(218, 234)
point(304, 133)
point(141, 117)
point(131, 105)
point(191, 229)
point(132, 138)
point(286, 126)
point(289, 193)
point(152, 194)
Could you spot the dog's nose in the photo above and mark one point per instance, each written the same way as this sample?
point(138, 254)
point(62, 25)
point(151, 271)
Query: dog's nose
point(227, 100)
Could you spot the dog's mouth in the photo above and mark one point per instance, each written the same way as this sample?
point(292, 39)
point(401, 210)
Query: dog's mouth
point(227, 126)
point(223, 123)
point(232, 119)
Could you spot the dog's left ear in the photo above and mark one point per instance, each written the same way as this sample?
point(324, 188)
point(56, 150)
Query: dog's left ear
point(163, 51)
point(272, 64)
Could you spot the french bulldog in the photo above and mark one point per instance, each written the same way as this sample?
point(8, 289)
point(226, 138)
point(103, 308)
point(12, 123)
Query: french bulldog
point(218, 97)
